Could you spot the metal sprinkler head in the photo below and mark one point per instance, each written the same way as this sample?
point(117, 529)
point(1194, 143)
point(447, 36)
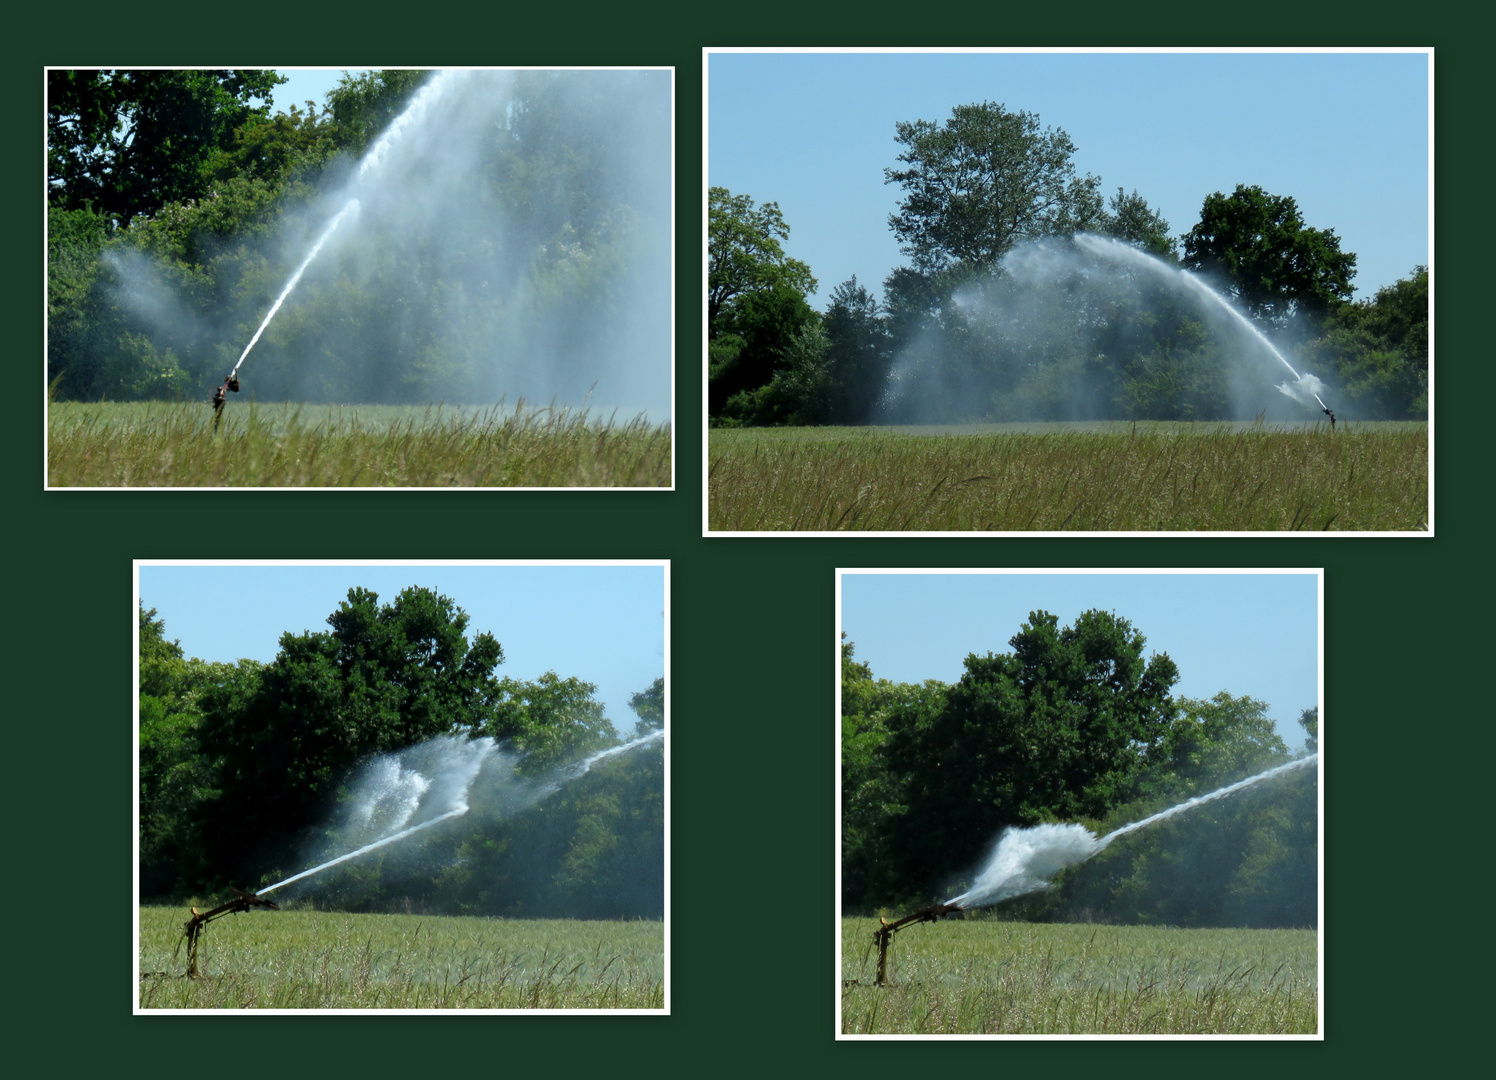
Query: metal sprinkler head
point(193, 928)
point(884, 934)
point(230, 383)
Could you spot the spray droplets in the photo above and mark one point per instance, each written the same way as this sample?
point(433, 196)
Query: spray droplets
point(1026, 860)
point(439, 780)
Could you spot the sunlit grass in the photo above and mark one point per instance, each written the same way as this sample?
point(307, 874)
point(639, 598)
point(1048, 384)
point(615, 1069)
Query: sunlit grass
point(984, 976)
point(153, 444)
point(1113, 477)
point(321, 960)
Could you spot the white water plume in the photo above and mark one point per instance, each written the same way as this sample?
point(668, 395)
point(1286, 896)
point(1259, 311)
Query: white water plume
point(512, 241)
point(351, 207)
point(585, 766)
point(442, 779)
point(1110, 248)
point(413, 113)
point(1026, 860)
point(431, 780)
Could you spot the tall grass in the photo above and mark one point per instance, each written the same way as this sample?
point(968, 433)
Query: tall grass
point(1216, 477)
point(982, 976)
point(317, 960)
point(175, 445)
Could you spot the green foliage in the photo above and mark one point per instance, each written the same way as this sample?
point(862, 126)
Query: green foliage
point(384, 677)
point(158, 303)
point(1074, 725)
point(857, 354)
point(1211, 743)
point(1054, 730)
point(799, 390)
point(363, 105)
point(1273, 264)
point(758, 317)
point(128, 142)
point(649, 706)
point(1378, 351)
point(1309, 721)
point(1129, 217)
point(744, 255)
point(982, 181)
point(551, 719)
point(240, 761)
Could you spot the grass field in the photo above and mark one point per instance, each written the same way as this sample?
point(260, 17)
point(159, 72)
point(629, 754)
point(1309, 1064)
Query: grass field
point(985, 976)
point(155, 444)
point(320, 960)
point(1058, 477)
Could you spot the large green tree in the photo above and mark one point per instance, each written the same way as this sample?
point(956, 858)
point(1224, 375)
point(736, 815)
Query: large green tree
point(1056, 729)
point(745, 254)
point(1272, 262)
point(382, 677)
point(982, 181)
point(756, 304)
point(126, 142)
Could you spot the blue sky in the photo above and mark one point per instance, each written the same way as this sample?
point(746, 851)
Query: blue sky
point(604, 624)
point(307, 84)
point(1249, 634)
point(1346, 135)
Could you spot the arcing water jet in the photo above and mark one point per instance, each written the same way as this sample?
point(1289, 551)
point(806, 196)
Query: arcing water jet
point(393, 792)
point(1108, 248)
point(419, 106)
point(1026, 860)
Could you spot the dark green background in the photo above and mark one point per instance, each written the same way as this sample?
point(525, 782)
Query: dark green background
point(753, 984)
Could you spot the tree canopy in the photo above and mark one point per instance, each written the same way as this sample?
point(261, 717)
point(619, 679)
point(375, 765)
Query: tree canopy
point(1073, 724)
point(980, 182)
point(241, 763)
point(999, 315)
point(123, 142)
point(744, 253)
point(1273, 263)
point(757, 310)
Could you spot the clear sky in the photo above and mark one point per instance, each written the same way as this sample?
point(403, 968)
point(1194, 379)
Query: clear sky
point(604, 624)
point(307, 84)
point(1249, 634)
point(1346, 135)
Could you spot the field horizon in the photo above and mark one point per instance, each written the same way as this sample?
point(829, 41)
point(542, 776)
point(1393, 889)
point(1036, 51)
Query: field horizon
point(309, 959)
point(984, 975)
point(285, 444)
point(1106, 476)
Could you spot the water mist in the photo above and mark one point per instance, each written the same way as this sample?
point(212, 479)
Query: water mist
point(439, 780)
point(1026, 860)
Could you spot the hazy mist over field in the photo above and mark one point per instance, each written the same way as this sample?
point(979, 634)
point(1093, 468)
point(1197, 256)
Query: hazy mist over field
point(511, 239)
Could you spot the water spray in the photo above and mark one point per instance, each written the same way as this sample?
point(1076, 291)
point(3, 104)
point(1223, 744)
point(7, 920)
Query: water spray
point(1109, 248)
point(1026, 860)
point(419, 106)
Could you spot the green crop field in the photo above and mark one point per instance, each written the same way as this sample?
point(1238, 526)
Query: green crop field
point(319, 960)
point(1114, 477)
point(153, 444)
point(984, 976)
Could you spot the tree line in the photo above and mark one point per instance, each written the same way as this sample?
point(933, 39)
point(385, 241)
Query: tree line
point(1074, 724)
point(178, 205)
point(975, 188)
point(244, 766)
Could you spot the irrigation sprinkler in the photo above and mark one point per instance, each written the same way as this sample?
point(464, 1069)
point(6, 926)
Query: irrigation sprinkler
point(193, 929)
point(884, 934)
point(221, 395)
